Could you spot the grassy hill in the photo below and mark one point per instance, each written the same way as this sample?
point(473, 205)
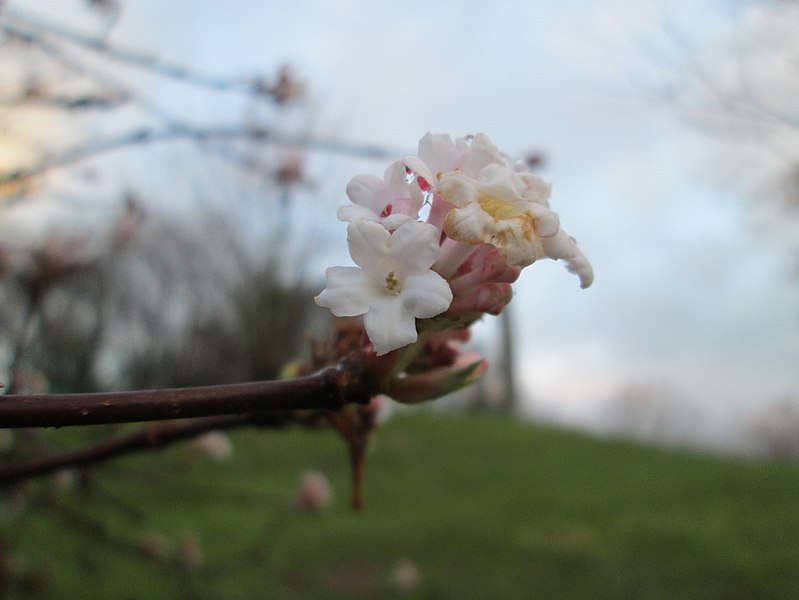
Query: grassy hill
point(457, 506)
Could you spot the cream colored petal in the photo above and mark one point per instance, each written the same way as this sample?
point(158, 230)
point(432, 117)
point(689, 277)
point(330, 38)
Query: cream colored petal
point(468, 224)
point(563, 247)
point(458, 189)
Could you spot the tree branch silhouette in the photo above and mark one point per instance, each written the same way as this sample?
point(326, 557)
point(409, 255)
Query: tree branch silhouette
point(47, 36)
point(175, 132)
point(150, 437)
point(329, 389)
point(30, 29)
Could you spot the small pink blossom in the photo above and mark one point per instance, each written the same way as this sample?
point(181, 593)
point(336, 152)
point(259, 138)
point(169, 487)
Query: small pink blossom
point(391, 200)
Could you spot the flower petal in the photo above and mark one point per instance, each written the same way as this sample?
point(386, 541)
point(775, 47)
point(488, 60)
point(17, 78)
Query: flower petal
point(396, 179)
point(482, 152)
point(347, 293)
point(389, 325)
point(370, 244)
point(561, 246)
point(439, 152)
point(369, 191)
point(458, 189)
point(404, 198)
point(418, 166)
point(547, 222)
point(502, 183)
point(580, 266)
point(356, 212)
point(426, 295)
point(414, 247)
point(536, 189)
point(468, 224)
point(392, 222)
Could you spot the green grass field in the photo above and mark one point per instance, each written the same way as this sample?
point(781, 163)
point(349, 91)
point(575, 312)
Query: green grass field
point(473, 506)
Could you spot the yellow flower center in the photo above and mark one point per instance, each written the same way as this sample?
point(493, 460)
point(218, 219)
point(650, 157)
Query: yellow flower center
point(393, 285)
point(497, 208)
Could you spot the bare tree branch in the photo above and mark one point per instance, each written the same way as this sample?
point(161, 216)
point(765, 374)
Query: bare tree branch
point(148, 438)
point(88, 150)
point(329, 389)
point(27, 27)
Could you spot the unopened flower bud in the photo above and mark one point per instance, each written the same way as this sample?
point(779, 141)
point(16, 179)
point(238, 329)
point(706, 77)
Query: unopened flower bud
point(488, 298)
point(434, 383)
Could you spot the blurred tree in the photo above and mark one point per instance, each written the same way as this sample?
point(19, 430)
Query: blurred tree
point(142, 245)
point(174, 307)
point(741, 89)
point(247, 324)
point(652, 412)
point(80, 119)
point(773, 430)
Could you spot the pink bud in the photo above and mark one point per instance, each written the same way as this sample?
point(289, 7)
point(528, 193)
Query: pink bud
point(488, 298)
point(486, 264)
point(412, 389)
point(314, 492)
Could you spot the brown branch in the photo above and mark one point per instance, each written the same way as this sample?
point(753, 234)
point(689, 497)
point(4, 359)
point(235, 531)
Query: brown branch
point(329, 389)
point(148, 438)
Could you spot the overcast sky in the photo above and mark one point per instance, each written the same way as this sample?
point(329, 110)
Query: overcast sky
point(691, 295)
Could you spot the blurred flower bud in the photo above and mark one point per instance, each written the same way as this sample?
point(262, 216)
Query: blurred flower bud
point(215, 444)
point(154, 545)
point(314, 492)
point(291, 170)
point(190, 555)
point(286, 89)
point(405, 576)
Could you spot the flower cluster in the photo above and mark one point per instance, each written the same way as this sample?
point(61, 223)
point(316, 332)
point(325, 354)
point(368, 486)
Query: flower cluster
point(440, 238)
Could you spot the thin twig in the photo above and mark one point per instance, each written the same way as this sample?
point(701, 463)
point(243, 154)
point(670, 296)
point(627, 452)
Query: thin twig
point(142, 136)
point(148, 438)
point(141, 60)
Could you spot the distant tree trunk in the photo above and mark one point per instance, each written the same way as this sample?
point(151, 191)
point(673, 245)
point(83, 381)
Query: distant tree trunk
point(508, 402)
point(496, 392)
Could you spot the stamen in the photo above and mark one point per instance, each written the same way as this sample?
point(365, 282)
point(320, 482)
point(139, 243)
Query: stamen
point(393, 285)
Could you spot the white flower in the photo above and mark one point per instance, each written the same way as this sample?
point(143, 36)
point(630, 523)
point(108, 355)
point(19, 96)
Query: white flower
point(393, 284)
point(510, 211)
point(391, 200)
point(439, 154)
